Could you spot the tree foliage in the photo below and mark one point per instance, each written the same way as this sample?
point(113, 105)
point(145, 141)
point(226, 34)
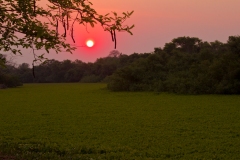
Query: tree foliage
point(9, 76)
point(234, 44)
point(185, 66)
point(114, 53)
point(28, 24)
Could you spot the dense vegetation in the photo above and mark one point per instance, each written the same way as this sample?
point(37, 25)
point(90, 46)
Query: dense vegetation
point(186, 65)
point(53, 71)
point(8, 77)
point(86, 121)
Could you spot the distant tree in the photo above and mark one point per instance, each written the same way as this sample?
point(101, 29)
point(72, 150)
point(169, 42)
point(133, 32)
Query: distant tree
point(114, 53)
point(2, 60)
point(169, 47)
point(8, 74)
point(157, 50)
point(234, 44)
point(184, 44)
point(23, 67)
point(24, 72)
point(29, 24)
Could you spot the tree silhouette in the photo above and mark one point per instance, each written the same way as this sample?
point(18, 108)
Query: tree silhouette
point(29, 24)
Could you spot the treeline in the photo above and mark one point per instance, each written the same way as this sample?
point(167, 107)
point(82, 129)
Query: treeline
point(186, 65)
point(53, 71)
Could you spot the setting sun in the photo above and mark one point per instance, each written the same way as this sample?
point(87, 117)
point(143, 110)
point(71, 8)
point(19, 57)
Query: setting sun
point(89, 43)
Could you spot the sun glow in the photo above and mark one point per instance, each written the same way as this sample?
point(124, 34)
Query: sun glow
point(89, 43)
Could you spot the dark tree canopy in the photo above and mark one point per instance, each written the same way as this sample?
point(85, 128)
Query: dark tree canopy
point(114, 53)
point(234, 44)
point(184, 44)
point(186, 65)
point(2, 60)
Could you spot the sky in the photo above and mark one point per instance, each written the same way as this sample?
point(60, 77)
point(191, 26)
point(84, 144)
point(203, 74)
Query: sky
point(156, 22)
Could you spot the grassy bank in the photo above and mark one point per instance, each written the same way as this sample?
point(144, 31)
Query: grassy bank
point(83, 121)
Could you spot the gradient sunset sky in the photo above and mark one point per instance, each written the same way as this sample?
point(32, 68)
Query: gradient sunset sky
point(156, 22)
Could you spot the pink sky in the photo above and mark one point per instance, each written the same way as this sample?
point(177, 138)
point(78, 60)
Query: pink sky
point(157, 22)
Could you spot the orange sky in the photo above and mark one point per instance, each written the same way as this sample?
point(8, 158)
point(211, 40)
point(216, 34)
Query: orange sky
point(157, 22)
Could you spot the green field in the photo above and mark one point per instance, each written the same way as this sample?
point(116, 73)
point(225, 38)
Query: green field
point(86, 121)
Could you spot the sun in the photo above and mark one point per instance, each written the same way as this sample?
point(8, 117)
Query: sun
point(89, 43)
